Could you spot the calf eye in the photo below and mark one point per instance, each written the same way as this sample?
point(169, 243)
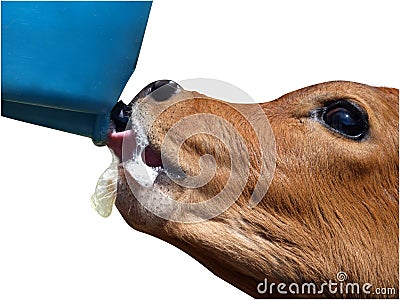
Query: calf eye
point(346, 118)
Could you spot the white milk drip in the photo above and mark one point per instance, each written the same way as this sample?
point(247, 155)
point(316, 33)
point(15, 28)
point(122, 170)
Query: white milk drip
point(105, 194)
point(106, 189)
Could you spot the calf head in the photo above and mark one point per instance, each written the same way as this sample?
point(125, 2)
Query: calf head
point(327, 160)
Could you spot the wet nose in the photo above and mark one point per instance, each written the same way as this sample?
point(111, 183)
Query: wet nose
point(159, 90)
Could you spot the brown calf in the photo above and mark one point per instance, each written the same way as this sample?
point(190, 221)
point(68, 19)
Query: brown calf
point(332, 204)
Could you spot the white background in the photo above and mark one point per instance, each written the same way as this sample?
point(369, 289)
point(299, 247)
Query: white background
point(54, 246)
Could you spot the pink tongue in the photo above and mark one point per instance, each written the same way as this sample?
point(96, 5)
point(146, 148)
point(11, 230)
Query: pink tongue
point(114, 142)
point(127, 138)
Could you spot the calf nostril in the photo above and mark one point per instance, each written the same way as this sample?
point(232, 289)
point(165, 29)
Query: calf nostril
point(159, 90)
point(162, 90)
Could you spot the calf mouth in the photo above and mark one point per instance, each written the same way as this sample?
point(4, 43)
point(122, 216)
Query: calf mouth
point(149, 154)
point(144, 181)
point(127, 137)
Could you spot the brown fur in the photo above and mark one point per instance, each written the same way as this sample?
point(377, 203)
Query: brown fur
point(332, 205)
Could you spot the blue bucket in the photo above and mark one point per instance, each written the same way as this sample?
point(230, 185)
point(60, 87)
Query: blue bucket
point(64, 64)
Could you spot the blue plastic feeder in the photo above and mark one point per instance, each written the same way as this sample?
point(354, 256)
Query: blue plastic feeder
point(64, 64)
